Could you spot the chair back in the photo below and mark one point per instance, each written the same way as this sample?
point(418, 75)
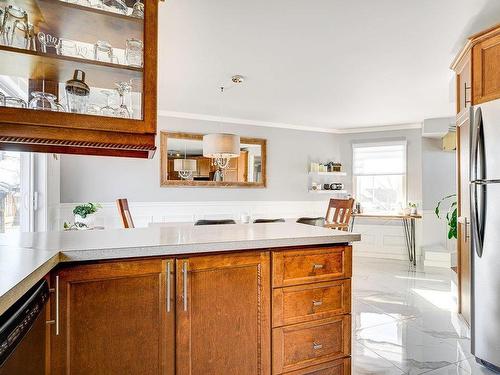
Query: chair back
point(215, 222)
point(316, 221)
point(260, 221)
point(338, 214)
point(124, 211)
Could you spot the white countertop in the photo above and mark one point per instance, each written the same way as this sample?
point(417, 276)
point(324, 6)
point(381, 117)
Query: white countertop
point(25, 258)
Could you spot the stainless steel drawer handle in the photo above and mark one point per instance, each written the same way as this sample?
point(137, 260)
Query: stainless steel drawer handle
point(317, 346)
point(184, 285)
point(317, 303)
point(318, 266)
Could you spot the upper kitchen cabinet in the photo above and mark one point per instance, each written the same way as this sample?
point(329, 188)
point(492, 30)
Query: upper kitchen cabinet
point(478, 69)
point(79, 76)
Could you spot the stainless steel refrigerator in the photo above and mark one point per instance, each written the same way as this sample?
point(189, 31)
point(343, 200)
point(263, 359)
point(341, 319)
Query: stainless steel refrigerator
point(485, 231)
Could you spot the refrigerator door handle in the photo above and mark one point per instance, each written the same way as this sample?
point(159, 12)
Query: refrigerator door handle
point(474, 220)
point(474, 143)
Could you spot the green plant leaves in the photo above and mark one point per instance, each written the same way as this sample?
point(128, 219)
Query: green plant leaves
point(86, 209)
point(451, 215)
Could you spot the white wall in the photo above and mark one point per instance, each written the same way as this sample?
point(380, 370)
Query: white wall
point(104, 179)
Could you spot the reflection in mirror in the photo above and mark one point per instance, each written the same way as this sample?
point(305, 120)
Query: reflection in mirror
point(183, 163)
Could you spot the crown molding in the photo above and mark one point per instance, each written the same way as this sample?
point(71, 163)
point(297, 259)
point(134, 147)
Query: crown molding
point(281, 125)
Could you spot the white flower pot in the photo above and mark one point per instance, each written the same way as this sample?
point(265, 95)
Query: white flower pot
point(88, 220)
point(413, 211)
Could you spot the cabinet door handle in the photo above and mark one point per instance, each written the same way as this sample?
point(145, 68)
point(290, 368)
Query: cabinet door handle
point(169, 291)
point(318, 266)
point(57, 305)
point(317, 345)
point(184, 285)
point(317, 303)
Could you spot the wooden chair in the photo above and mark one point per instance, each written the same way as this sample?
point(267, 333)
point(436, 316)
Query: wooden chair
point(127, 221)
point(316, 221)
point(215, 222)
point(341, 215)
point(259, 221)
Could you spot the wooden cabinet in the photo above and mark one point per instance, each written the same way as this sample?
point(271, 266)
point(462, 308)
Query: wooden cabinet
point(301, 345)
point(464, 245)
point(114, 318)
point(297, 267)
point(311, 310)
point(203, 315)
point(223, 314)
point(105, 126)
point(486, 65)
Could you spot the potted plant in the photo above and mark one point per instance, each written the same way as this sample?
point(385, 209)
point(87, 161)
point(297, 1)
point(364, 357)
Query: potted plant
point(85, 214)
point(413, 208)
point(451, 214)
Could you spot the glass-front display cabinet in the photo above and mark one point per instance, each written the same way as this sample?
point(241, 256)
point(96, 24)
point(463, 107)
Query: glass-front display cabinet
point(78, 76)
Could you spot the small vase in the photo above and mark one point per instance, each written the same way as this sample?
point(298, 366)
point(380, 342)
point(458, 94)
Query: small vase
point(88, 220)
point(413, 211)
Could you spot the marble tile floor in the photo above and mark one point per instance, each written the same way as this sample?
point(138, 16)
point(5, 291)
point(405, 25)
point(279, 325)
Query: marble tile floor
point(404, 321)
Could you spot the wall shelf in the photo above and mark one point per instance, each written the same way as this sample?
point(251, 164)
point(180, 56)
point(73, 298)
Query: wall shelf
point(331, 192)
point(328, 173)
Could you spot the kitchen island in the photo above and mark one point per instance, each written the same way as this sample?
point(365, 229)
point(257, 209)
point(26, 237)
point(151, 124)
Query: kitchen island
point(246, 299)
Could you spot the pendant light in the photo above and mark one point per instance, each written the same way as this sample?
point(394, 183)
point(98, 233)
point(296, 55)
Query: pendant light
point(221, 147)
point(185, 167)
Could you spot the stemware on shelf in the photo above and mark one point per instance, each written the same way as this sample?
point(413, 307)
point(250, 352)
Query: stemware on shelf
point(93, 109)
point(103, 51)
point(2, 100)
point(44, 101)
point(67, 47)
point(15, 26)
point(77, 92)
point(107, 110)
point(133, 52)
point(116, 6)
point(138, 10)
point(122, 110)
point(13, 102)
point(47, 40)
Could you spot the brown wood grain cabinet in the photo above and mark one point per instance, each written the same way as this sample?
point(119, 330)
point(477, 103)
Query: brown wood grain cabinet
point(477, 69)
point(114, 318)
point(204, 315)
point(223, 314)
point(65, 131)
point(464, 244)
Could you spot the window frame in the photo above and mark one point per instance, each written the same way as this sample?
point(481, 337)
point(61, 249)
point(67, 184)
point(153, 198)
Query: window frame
point(402, 142)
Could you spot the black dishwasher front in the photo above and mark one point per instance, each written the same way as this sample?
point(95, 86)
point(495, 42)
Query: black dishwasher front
point(23, 333)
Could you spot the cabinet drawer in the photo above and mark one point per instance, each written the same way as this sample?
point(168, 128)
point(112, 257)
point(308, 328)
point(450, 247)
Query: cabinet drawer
point(304, 266)
point(340, 367)
point(306, 344)
point(303, 303)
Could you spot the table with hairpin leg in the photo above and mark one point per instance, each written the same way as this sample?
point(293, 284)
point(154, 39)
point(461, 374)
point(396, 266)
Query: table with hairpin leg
point(408, 226)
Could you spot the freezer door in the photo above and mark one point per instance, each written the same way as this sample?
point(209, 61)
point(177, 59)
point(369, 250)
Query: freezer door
point(486, 276)
point(486, 142)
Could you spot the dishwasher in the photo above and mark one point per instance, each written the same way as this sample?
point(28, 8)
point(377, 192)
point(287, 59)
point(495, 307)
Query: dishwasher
point(23, 334)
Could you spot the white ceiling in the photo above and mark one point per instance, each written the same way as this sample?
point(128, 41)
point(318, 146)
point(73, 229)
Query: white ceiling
point(325, 63)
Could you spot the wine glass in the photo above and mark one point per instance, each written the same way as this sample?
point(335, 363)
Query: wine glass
point(122, 110)
point(107, 110)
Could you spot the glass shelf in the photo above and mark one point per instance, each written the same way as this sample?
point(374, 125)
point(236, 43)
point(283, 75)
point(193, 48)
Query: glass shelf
point(48, 71)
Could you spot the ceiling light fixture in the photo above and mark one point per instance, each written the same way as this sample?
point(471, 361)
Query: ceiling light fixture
point(221, 147)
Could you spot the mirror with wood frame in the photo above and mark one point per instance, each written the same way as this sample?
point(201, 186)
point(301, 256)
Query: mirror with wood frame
point(183, 164)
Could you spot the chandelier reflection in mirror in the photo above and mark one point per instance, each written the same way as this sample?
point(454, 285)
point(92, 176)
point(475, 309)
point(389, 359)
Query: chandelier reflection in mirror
point(185, 167)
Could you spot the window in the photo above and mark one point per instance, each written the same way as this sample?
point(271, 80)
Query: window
point(379, 173)
point(16, 212)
